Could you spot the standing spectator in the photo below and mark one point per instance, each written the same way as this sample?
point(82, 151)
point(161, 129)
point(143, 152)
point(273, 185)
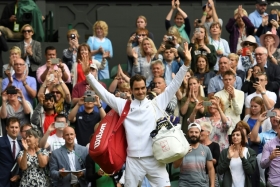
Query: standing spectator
point(257, 16)
point(252, 74)
point(239, 27)
point(32, 161)
point(86, 120)
point(182, 22)
point(50, 54)
point(232, 98)
point(23, 130)
point(270, 159)
point(15, 54)
point(10, 147)
point(233, 66)
point(101, 47)
point(21, 81)
point(4, 48)
point(270, 42)
point(31, 50)
point(8, 22)
point(237, 163)
point(141, 23)
point(267, 25)
point(192, 165)
point(71, 157)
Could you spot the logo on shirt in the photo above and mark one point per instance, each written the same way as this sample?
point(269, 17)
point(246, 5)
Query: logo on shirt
point(202, 153)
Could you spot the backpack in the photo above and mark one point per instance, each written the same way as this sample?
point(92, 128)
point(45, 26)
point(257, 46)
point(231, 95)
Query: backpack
point(108, 144)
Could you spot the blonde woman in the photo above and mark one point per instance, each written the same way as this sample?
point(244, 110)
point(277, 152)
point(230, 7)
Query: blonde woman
point(15, 53)
point(101, 47)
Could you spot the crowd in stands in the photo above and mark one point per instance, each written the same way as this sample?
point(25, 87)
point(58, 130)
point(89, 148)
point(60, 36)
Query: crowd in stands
point(224, 92)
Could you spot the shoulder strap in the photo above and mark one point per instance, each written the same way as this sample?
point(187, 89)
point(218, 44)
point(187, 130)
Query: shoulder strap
point(123, 114)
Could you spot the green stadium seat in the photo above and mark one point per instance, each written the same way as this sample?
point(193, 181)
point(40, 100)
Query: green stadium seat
point(107, 82)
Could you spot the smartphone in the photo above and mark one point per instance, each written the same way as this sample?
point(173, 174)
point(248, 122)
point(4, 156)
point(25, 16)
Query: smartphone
point(72, 36)
point(278, 147)
point(197, 29)
point(59, 125)
point(270, 114)
point(89, 99)
point(122, 95)
point(11, 91)
point(257, 80)
point(55, 60)
point(51, 77)
point(271, 17)
point(153, 85)
point(207, 103)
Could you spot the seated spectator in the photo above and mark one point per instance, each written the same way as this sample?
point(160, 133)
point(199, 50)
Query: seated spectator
point(32, 161)
point(56, 140)
point(209, 16)
point(216, 83)
point(50, 54)
point(148, 52)
point(239, 27)
point(268, 25)
point(133, 45)
point(85, 120)
point(238, 162)
point(61, 157)
point(181, 20)
point(23, 129)
point(189, 101)
point(101, 47)
point(202, 72)
point(268, 97)
point(8, 22)
point(83, 58)
point(257, 107)
point(270, 159)
point(15, 105)
point(70, 54)
point(233, 66)
point(44, 113)
point(220, 44)
point(219, 121)
point(4, 48)
point(252, 74)
point(247, 58)
point(21, 80)
point(271, 42)
point(233, 99)
point(214, 147)
point(272, 71)
point(15, 54)
point(31, 50)
point(200, 46)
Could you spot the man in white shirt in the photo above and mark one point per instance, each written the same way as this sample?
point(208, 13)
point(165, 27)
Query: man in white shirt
point(56, 140)
point(232, 98)
point(268, 97)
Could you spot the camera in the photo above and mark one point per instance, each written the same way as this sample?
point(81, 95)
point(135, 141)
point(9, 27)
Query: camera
point(207, 103)
point(11, 91)
point(270, 114)
point(170, 38)
point(55, 60)
point(72, 36)
point(59, 125)
point(199, 21)
point(122, 95)
point(89, 99)
point(136, 37)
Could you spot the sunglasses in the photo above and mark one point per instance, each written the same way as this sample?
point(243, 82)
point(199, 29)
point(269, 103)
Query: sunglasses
point(56, 92)
point(29, 31)
point(142, 35)
point(248, 43)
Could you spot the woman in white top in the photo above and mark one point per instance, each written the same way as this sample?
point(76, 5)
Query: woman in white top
point(237, 162)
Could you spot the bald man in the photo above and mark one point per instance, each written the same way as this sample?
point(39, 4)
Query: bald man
point(21, 80)
point(69, 157)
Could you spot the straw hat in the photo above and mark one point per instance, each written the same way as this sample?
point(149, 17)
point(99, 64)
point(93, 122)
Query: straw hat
point(250, 39)
point(268, 33)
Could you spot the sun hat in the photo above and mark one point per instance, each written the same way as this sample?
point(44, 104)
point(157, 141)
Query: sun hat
point(268, 33)
point(251, 39)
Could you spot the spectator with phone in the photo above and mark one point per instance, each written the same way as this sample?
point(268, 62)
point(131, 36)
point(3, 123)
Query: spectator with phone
point(270, 159)
point(31, 50)
point(181, 19)
point(269, 97)
point(232, 98)
point(219, 121)
point(55, 141)
point(85, 121)
point(124, 91)
point(264, 137)
point(252, 73)
point(239, 27)
point(189, 101)
point(44, 113)
point(101, 47)
point(269, 23)
point(52, 64)
point(21, 80)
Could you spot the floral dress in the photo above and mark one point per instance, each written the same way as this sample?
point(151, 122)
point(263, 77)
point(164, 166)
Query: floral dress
point(219, 131)
point(34, 175)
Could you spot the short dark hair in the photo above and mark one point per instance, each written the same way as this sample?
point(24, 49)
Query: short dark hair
point(25, 125)
point(137, 78)
point(49, 48)
point(60, 116)
point(243, 140)
point(12, 120)
point(228, 73)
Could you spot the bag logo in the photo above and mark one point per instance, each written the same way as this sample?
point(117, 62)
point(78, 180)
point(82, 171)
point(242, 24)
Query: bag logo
point(99, 136)
point(164, 146)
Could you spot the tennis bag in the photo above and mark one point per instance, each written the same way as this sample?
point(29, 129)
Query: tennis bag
point(108, 144)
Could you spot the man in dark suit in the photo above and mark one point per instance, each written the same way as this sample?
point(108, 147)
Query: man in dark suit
point(272, 72)
point(70, 157)
point(9, 149)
